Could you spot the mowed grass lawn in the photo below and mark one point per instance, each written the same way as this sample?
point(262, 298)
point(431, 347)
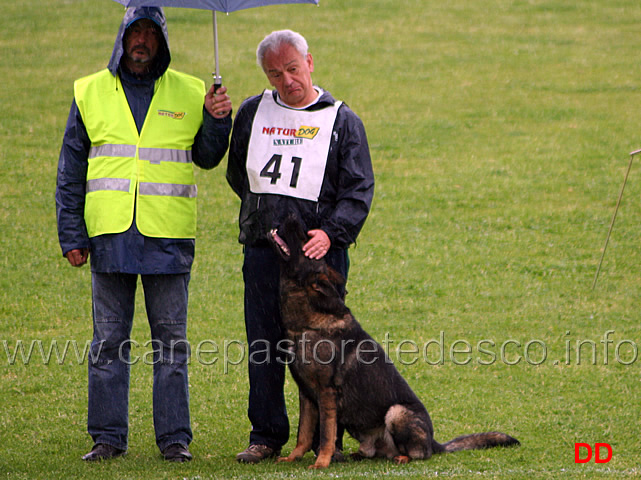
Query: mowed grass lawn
point(500, 133)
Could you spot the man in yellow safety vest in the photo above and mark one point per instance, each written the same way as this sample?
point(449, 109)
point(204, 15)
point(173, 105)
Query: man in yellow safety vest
point(126, 195)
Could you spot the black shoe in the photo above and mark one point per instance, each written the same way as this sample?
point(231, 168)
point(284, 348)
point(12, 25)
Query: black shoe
point(102, 451)
point(257, 453)
point(177, 453)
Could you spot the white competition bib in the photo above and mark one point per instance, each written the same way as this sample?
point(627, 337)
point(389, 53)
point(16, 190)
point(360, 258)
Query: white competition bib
point(288, 149)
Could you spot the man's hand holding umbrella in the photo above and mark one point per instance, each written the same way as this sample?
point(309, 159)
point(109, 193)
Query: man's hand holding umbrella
point(217, 102)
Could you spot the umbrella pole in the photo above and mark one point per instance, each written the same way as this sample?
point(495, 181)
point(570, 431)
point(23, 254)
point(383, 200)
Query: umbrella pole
point(607, 239)
point(218, 80)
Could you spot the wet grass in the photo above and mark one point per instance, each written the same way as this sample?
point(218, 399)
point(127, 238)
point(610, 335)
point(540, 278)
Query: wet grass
point(500, 134)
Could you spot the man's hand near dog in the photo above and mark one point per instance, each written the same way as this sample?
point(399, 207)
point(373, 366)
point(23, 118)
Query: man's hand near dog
point(318, 245)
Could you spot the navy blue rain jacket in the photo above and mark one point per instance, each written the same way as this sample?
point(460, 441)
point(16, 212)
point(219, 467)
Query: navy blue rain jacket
point(346, 193)
point(130, 251)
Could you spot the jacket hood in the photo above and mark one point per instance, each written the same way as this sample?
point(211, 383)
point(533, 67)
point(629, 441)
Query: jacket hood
point(157, 15)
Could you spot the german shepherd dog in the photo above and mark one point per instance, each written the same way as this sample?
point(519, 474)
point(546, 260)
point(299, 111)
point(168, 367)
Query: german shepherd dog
point(343, 374)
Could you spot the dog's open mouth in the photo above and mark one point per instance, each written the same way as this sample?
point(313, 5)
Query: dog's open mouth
point(284, 249)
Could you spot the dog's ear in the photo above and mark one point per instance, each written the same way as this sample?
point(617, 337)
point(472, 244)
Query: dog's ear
point(338, 281)
point(323, 286)
point(326, 297)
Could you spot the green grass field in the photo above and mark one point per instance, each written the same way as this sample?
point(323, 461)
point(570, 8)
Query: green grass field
point(500, 133)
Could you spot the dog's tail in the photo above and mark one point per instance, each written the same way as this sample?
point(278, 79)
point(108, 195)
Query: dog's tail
point(477, 441)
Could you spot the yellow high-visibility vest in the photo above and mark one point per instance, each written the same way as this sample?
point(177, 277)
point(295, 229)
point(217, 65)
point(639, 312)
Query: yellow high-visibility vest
point(148, 175)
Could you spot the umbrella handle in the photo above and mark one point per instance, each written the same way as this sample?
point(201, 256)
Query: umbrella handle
point(218, 81)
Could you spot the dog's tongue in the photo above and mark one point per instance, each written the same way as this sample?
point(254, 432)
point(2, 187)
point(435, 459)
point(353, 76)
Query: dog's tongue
point(279, 241)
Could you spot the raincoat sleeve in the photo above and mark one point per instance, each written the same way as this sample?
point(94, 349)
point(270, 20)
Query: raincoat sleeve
point(236, 172)
point(212, 141)
point(355, 183)
point(70, 186)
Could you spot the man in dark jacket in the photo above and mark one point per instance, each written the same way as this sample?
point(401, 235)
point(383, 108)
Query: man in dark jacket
point(293, 150)
point(126, 196)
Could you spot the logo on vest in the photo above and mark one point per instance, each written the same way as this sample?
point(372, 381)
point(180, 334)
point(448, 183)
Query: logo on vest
point(170, 114)
point(307, 132)
point(292, 136)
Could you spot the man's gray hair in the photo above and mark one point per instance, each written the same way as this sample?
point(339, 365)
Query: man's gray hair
point(275, 39)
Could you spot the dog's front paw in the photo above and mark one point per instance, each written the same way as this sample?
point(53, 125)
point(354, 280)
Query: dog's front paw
point(285, 459)
point(318, 465)
point(401, 459)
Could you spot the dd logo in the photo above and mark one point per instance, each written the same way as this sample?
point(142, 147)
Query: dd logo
point(578, 447)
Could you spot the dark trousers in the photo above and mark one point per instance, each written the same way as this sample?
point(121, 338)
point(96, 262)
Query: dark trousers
point(113, 312)
point(267, 412)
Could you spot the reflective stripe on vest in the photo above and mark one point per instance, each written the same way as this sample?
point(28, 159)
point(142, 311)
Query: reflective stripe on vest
point(115, 184)
point(153, 155)
point(168, 190)
point(146, 175)
point(157, 155)
point(112, 151)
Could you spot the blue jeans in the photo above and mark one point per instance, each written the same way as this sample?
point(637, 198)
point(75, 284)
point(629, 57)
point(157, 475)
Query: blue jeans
point(113, 311)
point(267, 412)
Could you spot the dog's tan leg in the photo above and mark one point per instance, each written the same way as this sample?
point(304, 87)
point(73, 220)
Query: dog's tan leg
point(328, 426)
point(306, 426)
